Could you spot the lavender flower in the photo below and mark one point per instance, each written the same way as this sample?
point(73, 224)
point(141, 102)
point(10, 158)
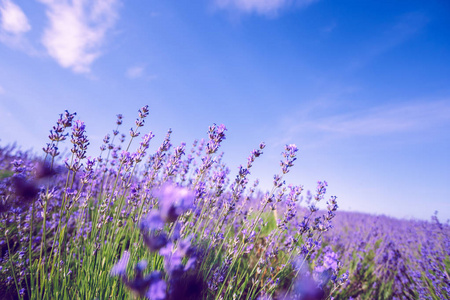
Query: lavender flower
point(150, 286)
point(151, 229)
point(216, 136)
point(173, 201)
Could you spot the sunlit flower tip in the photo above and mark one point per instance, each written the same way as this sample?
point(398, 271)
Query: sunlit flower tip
point(119, 119)
point(221, 129)
point(256, 153)
point(133, 133)
point(143, 112)
point(106, 139)
point(78, 127)
point(139, 122)
point(66, 119)
point(292, 147)
point(120, 269)
point(157, 290)
point(146, 138)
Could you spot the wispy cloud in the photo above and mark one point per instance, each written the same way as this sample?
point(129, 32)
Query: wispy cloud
point(377, 121)
point(13, 25)
point(139, 71)
point(135, 72)
point(76, 30)
point(387, 119)
point(262, 7)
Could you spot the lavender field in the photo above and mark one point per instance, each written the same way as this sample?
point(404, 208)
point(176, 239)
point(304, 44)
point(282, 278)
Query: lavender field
point(180, 224)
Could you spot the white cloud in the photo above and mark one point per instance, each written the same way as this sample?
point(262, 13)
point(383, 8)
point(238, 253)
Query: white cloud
point(13, 19)
point(263, 7)
point(13, 26)
point(135, 72)
point(76, 30)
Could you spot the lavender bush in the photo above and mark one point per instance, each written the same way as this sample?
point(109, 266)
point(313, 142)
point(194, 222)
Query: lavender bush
point(392, 259)
point(178, 224)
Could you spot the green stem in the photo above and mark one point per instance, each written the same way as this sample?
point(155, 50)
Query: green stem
point(12, 266)
point(29, 249)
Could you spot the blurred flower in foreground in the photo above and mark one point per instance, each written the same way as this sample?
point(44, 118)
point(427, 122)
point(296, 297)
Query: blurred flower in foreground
point(150, 286)
point(173, 201)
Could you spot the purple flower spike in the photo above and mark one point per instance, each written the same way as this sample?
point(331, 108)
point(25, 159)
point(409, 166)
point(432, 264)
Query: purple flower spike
point(121, 267)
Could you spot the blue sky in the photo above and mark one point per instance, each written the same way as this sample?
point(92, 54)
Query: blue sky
point(361, 87)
